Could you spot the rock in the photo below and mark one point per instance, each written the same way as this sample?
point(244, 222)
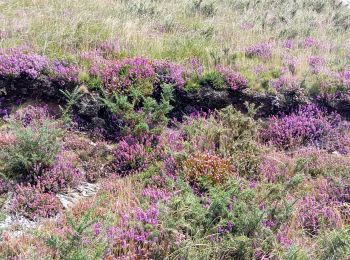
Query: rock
point(89, 105)
point(72, 197)
point(98, 122)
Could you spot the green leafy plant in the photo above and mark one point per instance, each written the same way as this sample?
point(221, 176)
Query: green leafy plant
point(213, 79)
point(140, 114)
point(34, 150)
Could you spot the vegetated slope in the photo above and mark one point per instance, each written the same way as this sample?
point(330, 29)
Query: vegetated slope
point(215, 130)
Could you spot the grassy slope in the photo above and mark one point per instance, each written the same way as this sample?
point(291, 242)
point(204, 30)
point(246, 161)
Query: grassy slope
point(177, 30)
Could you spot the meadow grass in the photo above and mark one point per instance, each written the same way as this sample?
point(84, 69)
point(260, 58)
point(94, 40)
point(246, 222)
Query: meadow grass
point(213, 31)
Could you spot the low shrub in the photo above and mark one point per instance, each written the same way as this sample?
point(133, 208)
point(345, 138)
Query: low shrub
point(199, 168)
point(139, 115)
point(36, 144)
point(22, 62)
point(334, 244)
point(130, 157)
point(62, 175)
point(120, 76)
point(213, 79)
point(233, 79)
point(31, 202)
point(260, 50)
point(309, 125)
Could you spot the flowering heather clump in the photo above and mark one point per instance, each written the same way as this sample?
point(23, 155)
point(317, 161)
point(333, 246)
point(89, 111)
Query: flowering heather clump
point(120, 76)
point(170, 73)
point(274, 167)
point(130, 156)
point(291, 62)
point(288, 44)
point(21, 62)
point(4, 186)
point(7, 139)
point(285, 82)
point(64, 72)
point(261, 50)
point(62, 175)
point(194, 67)
point(319, 209)
point(31, 116)
point(316, 63)
point(134, 238)
point(207, 166)
point(260, 69)
point(232, 78)
point(345, 76)
point(310, 42)
point(309, 125)
point(110, 47)
point(31, 202)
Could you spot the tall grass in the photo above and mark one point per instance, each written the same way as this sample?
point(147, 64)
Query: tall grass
point(209, 30)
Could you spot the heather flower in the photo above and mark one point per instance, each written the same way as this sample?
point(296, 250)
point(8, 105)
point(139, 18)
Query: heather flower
point(31, 116)
point(110, 47)
point(282, 236)
point(232, 78)
point(310, 42)
point(345, 76)
point(120, 76)
point(315, 212)
point(22, 62)
point(170, 73)
point(133, 237)
point(274, 167)
point(288, 44)
point(64, 73)
point(309, 125)
point(261, 50)
point(130, 156)
point(31, 202)
point(156, 194)
point(291, 63)
point(259, 69)
point(316, 63)
point(62, 175)
point(285, 82)
point(194, 67)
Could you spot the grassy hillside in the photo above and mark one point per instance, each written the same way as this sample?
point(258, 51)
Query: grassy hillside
point(187, 129)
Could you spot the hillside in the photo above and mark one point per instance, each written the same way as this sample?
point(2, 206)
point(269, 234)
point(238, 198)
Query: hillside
point(189, 129)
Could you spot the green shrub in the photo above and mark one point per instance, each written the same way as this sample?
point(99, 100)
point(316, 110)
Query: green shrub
point(335, 244)
point(192, 85)
point(213, 79)
point(36, 145)
point(140, 114)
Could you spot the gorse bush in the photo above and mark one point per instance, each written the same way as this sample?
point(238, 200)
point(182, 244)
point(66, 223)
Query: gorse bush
point(230, 134)
point(138, 114)
point(213, 79)
point(335, 244)
point(36, 143)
